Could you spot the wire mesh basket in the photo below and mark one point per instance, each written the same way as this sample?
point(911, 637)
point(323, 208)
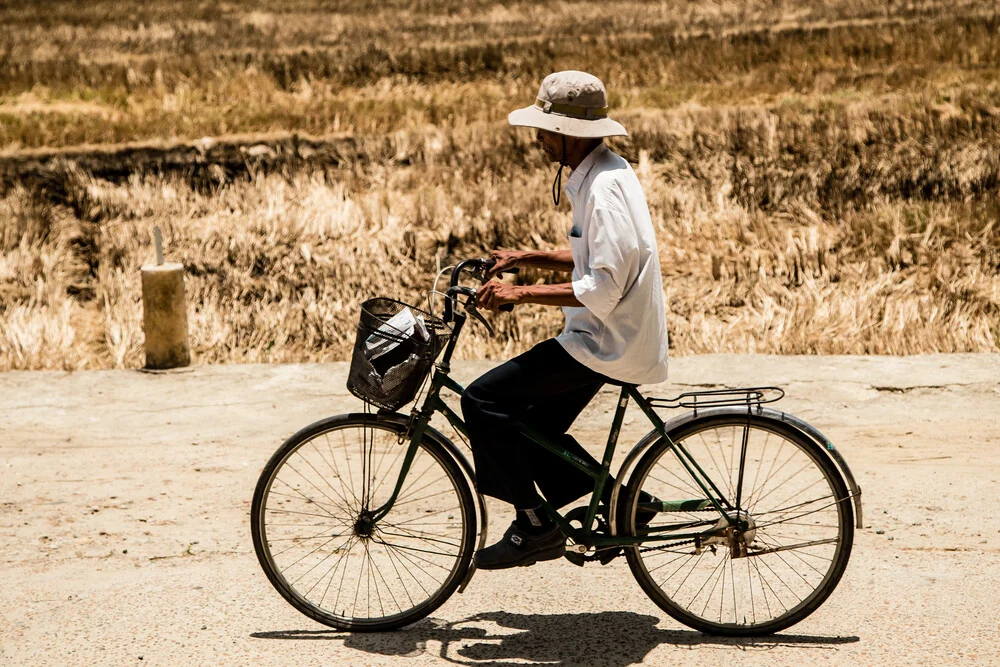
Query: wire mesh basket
point(395, 348)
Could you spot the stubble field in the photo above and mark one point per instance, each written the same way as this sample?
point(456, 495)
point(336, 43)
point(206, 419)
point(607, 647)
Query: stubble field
point(823, 177)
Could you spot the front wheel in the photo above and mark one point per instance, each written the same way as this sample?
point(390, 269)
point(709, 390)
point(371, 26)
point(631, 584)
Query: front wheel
point(778, 552)
point(317, 540)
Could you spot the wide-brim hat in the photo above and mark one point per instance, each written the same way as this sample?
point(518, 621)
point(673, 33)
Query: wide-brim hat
point(571, 103)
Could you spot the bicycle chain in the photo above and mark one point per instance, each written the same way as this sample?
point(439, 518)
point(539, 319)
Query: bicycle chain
point(596, 556)
point(665, 546)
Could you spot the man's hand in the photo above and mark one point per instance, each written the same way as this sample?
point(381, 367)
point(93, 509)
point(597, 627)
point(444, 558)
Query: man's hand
point(494, 294)
point(504, 260)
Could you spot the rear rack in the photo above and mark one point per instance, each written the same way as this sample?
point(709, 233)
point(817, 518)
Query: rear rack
point(749, 397)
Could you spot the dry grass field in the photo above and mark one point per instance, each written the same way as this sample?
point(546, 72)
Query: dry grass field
point(823, 176)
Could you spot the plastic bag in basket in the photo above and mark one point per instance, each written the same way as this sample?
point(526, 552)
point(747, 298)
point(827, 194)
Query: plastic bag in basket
point(389, 346)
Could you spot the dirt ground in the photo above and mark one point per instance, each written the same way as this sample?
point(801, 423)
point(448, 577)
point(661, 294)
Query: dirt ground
point(124, 532)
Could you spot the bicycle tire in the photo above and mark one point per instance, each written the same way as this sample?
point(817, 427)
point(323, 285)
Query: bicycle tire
point(830, 551)
point(401, 541)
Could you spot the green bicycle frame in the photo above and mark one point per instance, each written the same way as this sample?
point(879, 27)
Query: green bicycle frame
point(713, 496)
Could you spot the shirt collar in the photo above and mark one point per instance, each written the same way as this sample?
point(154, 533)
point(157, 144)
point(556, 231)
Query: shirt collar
point(579, 174)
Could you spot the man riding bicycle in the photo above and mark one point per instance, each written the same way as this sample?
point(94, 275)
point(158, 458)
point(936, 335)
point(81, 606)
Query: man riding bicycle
point(615, 322)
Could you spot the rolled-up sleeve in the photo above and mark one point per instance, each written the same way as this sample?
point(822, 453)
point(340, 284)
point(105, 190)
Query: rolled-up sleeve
point(613, 262)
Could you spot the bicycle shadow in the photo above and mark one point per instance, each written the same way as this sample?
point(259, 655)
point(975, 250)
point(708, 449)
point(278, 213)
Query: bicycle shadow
point(603, 639)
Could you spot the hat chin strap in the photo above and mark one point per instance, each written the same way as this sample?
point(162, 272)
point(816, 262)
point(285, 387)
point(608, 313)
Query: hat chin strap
point(557, 183)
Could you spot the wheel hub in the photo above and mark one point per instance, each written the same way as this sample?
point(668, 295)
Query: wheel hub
point(737, 535)
point(364, 526)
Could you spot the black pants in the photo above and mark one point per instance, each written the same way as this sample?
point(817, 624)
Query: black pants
point(547, 389)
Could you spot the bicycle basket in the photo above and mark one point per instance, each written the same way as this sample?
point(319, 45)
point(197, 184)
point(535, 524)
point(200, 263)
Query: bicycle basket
point(394, 350)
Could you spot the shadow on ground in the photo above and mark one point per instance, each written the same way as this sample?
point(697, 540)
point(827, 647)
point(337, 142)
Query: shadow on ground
point(605, 639)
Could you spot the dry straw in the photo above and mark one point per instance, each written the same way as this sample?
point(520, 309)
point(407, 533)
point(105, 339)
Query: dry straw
point(801, 205)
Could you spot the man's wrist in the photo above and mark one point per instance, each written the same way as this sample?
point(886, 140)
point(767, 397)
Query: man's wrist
point(521, 294)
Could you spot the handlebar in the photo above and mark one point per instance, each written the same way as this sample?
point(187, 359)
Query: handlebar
point(478, 268)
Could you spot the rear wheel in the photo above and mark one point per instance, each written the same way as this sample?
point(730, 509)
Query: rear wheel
point(316, 538)
point(776, 556)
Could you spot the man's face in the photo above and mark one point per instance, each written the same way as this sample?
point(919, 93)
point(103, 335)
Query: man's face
point(551, 143)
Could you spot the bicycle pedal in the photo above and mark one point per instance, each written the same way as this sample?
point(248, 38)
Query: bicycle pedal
point(575, 558)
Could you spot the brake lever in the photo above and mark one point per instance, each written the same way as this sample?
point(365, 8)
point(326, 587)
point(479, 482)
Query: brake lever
point(470, 306)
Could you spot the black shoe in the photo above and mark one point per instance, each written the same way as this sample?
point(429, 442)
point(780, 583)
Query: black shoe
point(518, 548)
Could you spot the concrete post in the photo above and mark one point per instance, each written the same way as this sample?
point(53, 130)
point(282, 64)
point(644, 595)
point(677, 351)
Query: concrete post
point(164, 313)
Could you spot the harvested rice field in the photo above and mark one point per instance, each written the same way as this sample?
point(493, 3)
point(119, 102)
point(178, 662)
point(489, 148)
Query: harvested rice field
point(823, 177)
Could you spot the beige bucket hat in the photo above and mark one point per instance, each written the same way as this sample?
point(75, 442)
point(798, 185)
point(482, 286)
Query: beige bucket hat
point(571, 103)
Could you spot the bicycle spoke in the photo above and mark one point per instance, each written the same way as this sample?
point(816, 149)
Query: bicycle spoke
point(732, 580)
point(792, 547)
point(770, 470)
point(318, 535)
point(378, 594)
point(276, 510)
point(760, 578)
point(403, 497)
point(684, 580)
point(311, 483)
point(807, 465)
point(388, 553)
point(403, 553)
point(691, 490)
point(711, 456)
point(771, 475)
point(392, 466)
point(405, 491)
point(388, 589)
point(763, 455)
point(309, 501)
point(708, 579)
point(798, 516)
point(400, 557)
point(306, 594)
point(778, 577)
point(293, 564)
point(789, 508)
point(417, 500)
point(357, 589)
point(427, 515)
point(424, 551)
point(350, 473)
point(672, 560)
point(412, 535)
point(336, 473)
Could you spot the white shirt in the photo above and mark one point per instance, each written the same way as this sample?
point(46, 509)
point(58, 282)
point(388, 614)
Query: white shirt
point(622, 331)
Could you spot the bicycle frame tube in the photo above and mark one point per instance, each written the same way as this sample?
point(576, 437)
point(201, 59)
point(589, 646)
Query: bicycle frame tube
point(684, 456)
point(609, 452)
point(434, 403)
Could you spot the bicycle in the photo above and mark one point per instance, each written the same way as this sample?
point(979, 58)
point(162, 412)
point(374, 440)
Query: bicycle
point(735, 518)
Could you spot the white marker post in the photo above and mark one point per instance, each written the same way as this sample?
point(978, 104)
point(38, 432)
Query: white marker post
point(164, 312)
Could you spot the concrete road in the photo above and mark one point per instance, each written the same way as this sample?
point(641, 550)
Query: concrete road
point(124, 533)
